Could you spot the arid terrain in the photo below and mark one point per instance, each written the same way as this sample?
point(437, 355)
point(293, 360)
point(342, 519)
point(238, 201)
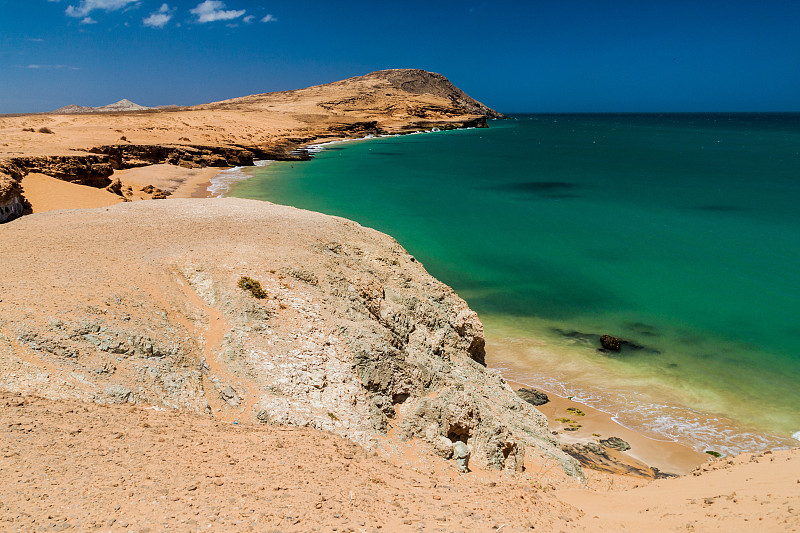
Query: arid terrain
point(190, 364)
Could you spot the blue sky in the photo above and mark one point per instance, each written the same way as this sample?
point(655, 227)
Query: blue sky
point(556, 56)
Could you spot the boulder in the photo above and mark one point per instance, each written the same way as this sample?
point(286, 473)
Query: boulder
point(610, 343)
point(616, 443)
point(533, 396)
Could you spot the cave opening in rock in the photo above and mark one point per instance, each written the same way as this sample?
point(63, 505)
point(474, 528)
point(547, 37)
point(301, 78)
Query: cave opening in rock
point(400, 398)
point(508, 449)
point(458, 433)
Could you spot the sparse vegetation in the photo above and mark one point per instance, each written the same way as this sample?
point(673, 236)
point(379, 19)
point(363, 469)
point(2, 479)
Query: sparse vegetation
point(575, 411)
point(333, 417)
point(45, 129)
point(712, 453)
point(249, 284)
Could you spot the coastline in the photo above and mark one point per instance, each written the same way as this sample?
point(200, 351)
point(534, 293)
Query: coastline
point(647, 451)
point(193, 180)
point(676, 421)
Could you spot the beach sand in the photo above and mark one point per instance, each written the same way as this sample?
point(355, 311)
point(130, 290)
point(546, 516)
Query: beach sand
point(179, 182)
point(48, 194)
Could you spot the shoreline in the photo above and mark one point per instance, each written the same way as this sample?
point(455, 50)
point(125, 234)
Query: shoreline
point(645, 409)
point(194, 182)
point(666, 456)
point(664, 452)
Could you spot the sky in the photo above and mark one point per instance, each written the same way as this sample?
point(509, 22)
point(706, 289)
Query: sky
point(535, 56)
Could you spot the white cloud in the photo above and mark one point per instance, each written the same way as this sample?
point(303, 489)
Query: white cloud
point(269, 18)
point(88, 20)
point(87, 6)
point(159, 19)
point(50, 67)
point(248, 19)
point(213, 10)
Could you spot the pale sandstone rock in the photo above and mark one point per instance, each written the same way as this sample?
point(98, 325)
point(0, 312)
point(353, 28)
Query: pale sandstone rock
point(354, 337)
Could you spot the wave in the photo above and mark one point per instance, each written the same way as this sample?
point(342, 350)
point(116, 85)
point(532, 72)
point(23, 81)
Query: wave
point(698, 430)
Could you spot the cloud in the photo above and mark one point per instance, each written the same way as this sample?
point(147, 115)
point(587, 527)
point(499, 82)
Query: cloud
point(50, 67)
point(160, 18)
point(213, 10)
point(88, 20)
point(269, 18)
point(248, 19)
point(87, 6)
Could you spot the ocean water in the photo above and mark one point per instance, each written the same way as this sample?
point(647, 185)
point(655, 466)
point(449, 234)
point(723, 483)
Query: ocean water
point(679, 233)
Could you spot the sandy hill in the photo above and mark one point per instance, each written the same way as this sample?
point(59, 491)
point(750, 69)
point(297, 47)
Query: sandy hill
point(86, 148)
point(122, 105)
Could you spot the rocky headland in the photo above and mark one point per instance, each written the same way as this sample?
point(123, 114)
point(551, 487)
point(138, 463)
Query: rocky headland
point(86, 146)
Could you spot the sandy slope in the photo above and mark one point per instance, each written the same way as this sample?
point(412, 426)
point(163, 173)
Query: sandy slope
point(66, 465)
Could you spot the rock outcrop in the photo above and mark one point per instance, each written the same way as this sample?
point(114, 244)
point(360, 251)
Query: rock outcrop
point(354, 336)
point(12, 203)
point(533, 396)
point(82, 169)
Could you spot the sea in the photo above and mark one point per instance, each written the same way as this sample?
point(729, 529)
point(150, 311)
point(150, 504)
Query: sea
point(677, 233)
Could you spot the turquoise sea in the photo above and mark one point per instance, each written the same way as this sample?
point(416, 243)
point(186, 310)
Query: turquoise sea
point(679, 233)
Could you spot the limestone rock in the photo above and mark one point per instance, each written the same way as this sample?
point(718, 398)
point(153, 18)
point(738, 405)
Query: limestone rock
point(355, 338)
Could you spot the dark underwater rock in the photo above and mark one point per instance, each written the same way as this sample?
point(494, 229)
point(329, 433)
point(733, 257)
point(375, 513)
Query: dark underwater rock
point(610, 343)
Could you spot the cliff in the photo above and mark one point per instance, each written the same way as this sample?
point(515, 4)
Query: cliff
point(139, 303)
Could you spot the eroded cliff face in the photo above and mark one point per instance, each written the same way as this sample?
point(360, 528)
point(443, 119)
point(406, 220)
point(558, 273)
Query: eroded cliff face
point(12, 203)
point(139, 303)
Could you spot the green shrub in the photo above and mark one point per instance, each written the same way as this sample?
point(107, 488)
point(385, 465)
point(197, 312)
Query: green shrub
point(713, 453)
point(249, 284)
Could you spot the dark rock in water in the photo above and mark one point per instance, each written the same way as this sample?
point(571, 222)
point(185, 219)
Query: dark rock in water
point(614, 344)
point(616, 443)
point(610, 343)
point(533, 396)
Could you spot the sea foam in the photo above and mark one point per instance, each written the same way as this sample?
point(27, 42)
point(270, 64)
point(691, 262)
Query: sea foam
point(225, 180)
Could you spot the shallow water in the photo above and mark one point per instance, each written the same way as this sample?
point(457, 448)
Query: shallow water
point(679, 233)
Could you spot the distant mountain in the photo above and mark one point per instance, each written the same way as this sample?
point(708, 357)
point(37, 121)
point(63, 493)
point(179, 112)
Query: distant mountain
point(122, 105)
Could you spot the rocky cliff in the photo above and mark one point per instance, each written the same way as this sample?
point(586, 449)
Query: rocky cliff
point(140, 303)
point(12, 203)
